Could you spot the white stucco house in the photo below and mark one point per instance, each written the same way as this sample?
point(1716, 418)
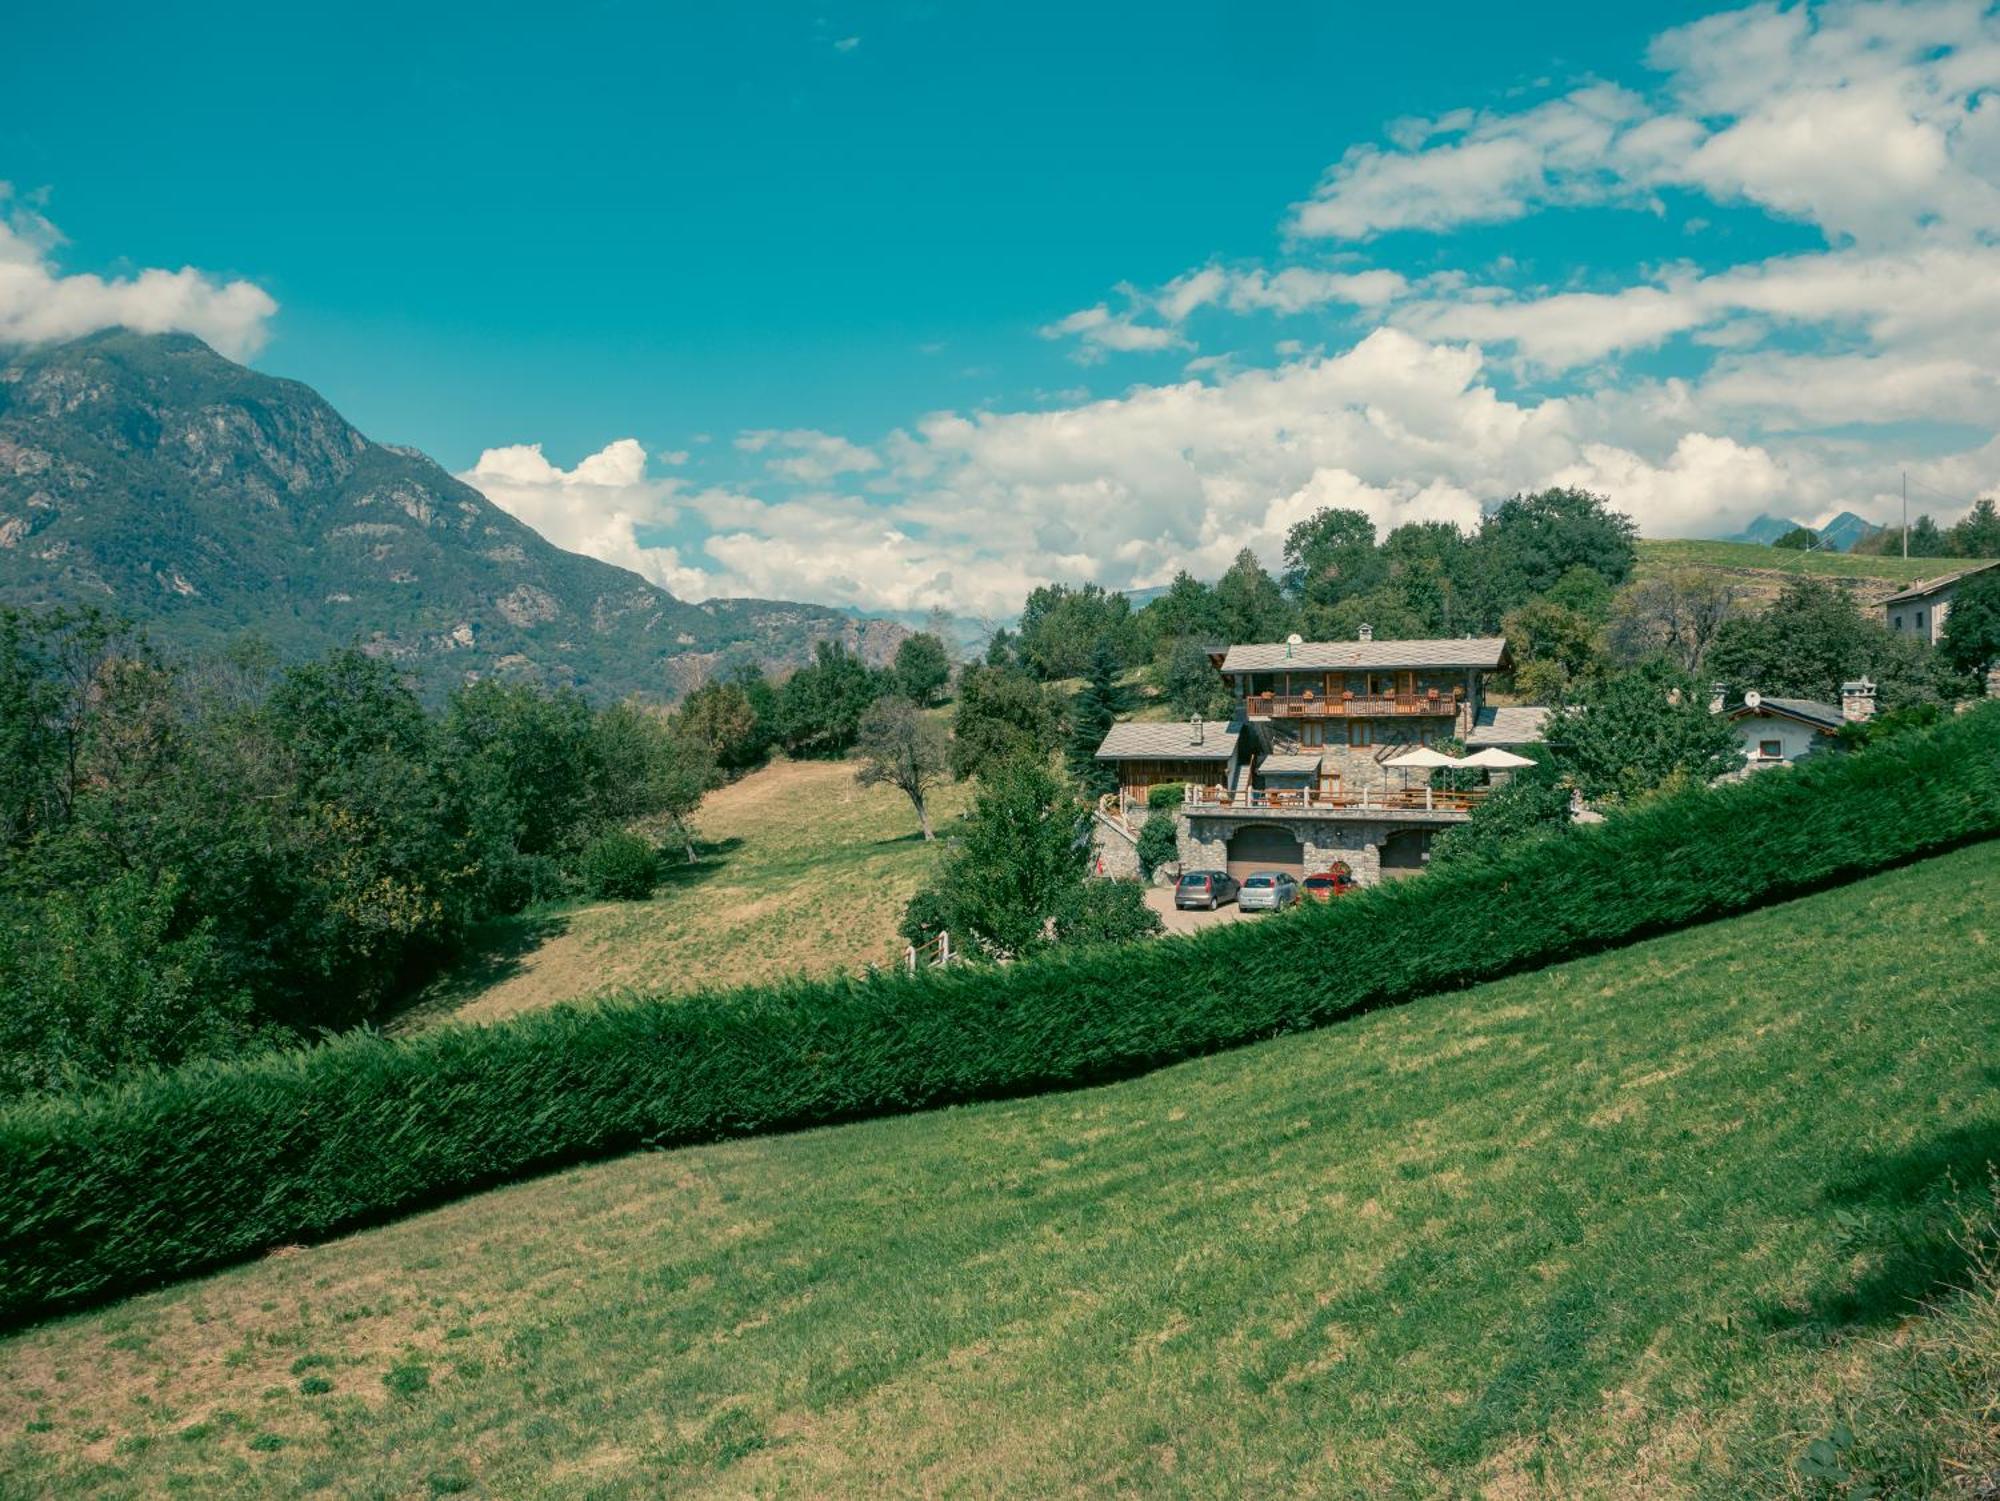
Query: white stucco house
point(1922, 609)
point(1779, 731)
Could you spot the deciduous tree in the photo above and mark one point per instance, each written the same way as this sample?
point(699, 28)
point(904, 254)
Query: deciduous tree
point(1644, 728)
point(1971, 641)
point(1001, 713)
point(1677, 616)
point(922, 669)
point(904, 749)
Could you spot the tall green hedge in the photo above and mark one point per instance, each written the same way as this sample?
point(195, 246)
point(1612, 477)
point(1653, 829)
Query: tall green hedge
point(116, 1189)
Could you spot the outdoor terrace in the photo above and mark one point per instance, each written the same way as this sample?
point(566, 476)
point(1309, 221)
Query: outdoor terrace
point(1409, 804)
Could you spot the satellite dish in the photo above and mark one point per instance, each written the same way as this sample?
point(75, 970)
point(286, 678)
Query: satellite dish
point(1752, 699)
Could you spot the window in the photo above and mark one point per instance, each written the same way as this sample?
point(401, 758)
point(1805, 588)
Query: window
point(1897, 621)
point(1312, 733)
point(1358, 732)
point(1920, 620)
point(1771, 750)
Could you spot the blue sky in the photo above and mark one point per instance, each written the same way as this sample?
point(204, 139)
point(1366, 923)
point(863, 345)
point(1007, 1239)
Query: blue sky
point(899, 304)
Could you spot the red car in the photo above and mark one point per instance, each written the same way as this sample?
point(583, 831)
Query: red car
point(1328, 884)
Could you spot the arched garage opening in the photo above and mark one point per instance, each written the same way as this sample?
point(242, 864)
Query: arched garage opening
point(1262, 847)
point(1403, 852)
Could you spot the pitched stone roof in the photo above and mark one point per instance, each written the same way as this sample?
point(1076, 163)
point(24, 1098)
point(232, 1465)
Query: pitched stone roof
point(1932, 586)
point(1806, 710)
point(1509, 724)
point(1171, 741)
point(1336, 656)
point(1293, 765)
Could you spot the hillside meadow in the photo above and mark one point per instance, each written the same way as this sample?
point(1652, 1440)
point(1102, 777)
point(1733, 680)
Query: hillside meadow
point(1753, 563)
point(1659, 1222)
point(802, 873)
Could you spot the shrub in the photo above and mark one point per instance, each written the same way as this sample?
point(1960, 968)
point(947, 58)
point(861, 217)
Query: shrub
point(927, 914)
point(1107, 912)
point(620, 867)
point(1159, 842)
point(1166, 797)
point(118, 1188)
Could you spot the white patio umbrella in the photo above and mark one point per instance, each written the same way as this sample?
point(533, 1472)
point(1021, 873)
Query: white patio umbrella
point(1423, 758)
point(1495, 759)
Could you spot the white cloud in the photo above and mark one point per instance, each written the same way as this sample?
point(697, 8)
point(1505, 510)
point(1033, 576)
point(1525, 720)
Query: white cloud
point(1800, 374)
point(38, 302)
point(808, 455)
point(1706, 483)
point(1487, 168)
point(1098, 329)
point(595, 509)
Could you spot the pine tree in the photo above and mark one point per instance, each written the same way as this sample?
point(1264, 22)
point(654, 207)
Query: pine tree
point(1092, 713)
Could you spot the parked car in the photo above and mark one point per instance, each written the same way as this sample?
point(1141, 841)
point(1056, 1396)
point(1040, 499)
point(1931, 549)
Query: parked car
point(1205, 888)
point(1268, 891)
point(1325, 885)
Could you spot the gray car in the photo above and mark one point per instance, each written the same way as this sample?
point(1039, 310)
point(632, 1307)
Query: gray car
point(1204, 888)
point(1268, 891)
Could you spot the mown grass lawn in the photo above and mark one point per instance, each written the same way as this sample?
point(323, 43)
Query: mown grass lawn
point(1644, 1224)
point(802, 872)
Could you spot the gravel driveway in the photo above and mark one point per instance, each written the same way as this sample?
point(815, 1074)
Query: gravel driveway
point(1161, 900)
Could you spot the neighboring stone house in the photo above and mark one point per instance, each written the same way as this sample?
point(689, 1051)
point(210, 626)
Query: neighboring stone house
point(1302, 783)
point(1922, 609)
point(1201, 753)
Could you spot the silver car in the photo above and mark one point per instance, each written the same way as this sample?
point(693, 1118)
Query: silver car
point(1268, 891)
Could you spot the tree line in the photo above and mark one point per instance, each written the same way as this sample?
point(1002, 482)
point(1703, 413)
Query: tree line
point(1974, 535)
point(197, 857)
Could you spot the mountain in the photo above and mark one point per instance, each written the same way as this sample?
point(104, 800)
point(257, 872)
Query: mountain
point(1765, 529)
point(1846, 529)
point(149, 476)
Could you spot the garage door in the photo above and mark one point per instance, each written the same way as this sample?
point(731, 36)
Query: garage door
point(1403, 852)
point(1260, 848)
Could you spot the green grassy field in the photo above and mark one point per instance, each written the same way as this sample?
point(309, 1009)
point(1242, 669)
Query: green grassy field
point(802, 872)
point(1892, 572)
point(1644, 1224)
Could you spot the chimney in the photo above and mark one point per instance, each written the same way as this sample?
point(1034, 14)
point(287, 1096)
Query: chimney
point(1199, 729)
point(1367, 631)
point(1718, 697)
point(1857, 701)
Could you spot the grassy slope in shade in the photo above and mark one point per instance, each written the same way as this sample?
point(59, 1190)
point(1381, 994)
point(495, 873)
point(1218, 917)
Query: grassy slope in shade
point(117, 1189)
point(1645, 1224)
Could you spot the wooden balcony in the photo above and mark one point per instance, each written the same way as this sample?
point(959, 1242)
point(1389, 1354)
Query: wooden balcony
point(1351, 705)
point(1354, 801)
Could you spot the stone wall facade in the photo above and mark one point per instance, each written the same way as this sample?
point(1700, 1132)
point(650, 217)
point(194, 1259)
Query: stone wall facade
point(1114, 853)
point(1360, 766)
point(1205, 841)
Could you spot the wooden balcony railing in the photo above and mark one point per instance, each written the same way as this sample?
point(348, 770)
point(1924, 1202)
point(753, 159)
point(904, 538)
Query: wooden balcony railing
point(1364, 799)
point(1349, 705)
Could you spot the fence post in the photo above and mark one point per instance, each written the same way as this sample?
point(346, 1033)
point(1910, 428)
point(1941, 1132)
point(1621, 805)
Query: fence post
point(944, 948)
point(910, 958)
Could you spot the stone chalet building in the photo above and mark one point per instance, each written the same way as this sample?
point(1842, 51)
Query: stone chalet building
point(1293, 779)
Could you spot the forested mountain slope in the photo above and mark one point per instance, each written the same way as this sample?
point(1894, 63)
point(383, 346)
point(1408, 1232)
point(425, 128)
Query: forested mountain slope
point(150, 477)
